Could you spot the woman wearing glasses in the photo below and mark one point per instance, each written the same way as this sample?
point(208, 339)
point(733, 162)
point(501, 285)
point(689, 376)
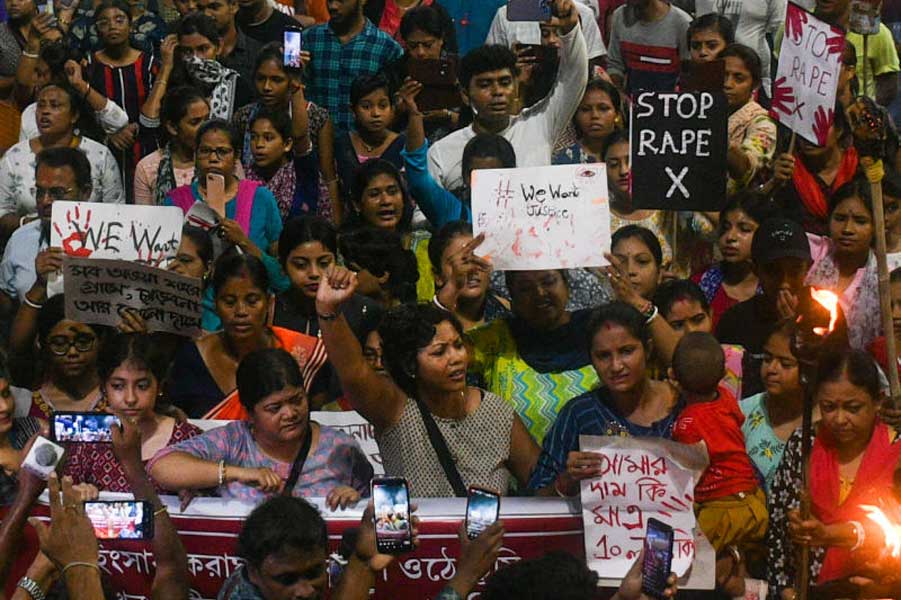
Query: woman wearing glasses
point(69, 357)
point(251, 221)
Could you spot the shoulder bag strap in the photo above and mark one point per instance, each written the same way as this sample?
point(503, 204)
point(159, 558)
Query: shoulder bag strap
point(299, 460)
point(439, 444)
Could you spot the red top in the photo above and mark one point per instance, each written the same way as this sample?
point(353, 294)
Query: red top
point(718, 425)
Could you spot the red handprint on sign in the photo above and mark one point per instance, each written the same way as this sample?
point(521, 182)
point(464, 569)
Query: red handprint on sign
point(822, 121)
point(835, 44)
point(74, 243)
point(783, 97)
point(795, 19)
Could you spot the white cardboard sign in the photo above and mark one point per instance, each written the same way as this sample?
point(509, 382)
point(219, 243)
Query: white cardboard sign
point(807, 76)
point(542, 218)
point(642, 478)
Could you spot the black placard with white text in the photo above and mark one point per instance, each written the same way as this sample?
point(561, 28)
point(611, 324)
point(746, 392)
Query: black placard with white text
point(678, 145)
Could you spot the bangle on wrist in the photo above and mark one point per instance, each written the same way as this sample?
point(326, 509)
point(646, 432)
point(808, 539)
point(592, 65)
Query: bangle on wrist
point(31, 304)
point(861, 534)
point(331, 316)
point(437, 303)
point(32, 588)
point(160, 511)
point(27, 54)
point(221, 472)
point(72, 565)
point(558, 490)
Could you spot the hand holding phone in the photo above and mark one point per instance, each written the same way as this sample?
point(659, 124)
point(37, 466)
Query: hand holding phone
point(658, 558)
point(215, 193)
point(529, 10)
point(85, 427)
point(391, 515)
point(482, 510)
point(291, 47)
point(120, 519)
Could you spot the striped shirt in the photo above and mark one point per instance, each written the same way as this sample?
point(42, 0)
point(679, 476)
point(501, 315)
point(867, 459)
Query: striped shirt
point(334, 66)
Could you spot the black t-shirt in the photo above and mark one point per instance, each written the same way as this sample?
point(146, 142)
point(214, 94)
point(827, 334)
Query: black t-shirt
point(270, 30)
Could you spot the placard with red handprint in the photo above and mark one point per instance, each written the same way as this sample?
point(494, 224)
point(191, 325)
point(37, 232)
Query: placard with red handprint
point(146, 234)
point(808, 73)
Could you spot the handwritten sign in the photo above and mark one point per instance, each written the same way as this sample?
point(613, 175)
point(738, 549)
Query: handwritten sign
point(146, 234)
point(641, 479)
point(807, 75)
point(99, 290)
point(678, 145)
point(542, 218)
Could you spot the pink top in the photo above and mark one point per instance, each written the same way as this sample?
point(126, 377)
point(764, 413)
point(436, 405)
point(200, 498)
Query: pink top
point(146, 171)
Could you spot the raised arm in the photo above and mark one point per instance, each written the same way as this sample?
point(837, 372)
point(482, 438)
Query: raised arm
point(300, 120)
point(375, 397)
point(150, 112)
point(171, 578)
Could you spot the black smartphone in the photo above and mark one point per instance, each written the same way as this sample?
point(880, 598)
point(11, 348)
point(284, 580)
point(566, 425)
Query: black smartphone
point(542, 54)
point(83, 426)
point(393, 527)
point(439, 81)
point(482, 509)
point(120, 519)
point(291, 44)
point(658, 558)
point(529, 10)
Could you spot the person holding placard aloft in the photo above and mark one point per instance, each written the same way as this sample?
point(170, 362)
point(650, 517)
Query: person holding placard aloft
point(488, 81)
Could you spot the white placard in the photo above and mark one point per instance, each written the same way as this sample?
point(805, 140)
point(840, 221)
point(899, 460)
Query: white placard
point(807, 76)
point(542, 218)
point(146, 234)
point(642, 478)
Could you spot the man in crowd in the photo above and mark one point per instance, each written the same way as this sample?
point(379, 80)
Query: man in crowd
point(348, 46)
point(238, 50)
point(489, 85)
point(262, 21)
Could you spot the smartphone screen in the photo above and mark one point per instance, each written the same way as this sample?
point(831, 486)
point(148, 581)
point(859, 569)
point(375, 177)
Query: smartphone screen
point(291, 51)
point(83, 426)
point(45, 7)
point(482, 510)
point(120, 519)
point(658, 558)
point(393, 530)
point(528, 10)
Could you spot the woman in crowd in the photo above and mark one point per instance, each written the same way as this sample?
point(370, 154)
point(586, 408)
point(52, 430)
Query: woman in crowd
point(536, 359)
point(428, 35)
point(772, 416)
point(853, 460)
point(398, 17)
point(251, 217)
point(202, 381)
point(628, 404)
point(752, 133)
point(386, 271)
point(708, 35)
point(276, 88)
point(598, 116)
point(426, 357)
point(58, 110)
point(199, 45)
point(125, 75)
point(277, 449)
point(371, 137)
point(845, 263)
point(811, 176)
point(185, 109)
point(14, 435)
point(381, 200)
point(145, 28)
point(290, 174)
point(132, 371)
point(475, 304)
point(640, 257)
point(733, 280)
point(69, 352)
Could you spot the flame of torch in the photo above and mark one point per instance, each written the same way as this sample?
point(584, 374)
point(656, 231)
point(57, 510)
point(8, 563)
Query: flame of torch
point(891, 531)
point(829, 301)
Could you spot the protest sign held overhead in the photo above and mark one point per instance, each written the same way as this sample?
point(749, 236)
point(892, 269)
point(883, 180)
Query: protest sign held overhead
point(807, 76)
point(641, 479)
point(147, 234)
point(678, 145)
point(542, 218)
point(99, 290)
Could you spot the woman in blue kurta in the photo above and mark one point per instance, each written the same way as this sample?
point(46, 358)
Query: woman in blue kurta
point(252, 220)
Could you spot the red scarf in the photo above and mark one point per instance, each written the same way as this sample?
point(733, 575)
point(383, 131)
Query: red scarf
point(874, 478)
point(809, 190)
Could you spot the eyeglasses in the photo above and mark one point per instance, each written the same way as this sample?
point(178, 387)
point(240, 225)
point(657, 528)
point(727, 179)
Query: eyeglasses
point(206, 152)
point(54, 193)
point(105, 23)
point(60, 345)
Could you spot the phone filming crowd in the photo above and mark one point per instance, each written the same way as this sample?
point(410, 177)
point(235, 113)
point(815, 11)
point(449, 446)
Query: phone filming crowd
point(308, 169)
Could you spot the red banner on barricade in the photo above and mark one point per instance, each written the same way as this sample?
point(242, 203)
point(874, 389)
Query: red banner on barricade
point(210, 527)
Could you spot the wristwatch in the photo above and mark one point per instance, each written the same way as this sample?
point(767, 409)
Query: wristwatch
point(33, 589)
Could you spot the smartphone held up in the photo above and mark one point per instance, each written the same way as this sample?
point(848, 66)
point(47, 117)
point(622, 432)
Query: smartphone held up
point(291, 46)
point(393, 523)
point(482, 510)
point(120, 519)
point(86, 427)
point(658, 558)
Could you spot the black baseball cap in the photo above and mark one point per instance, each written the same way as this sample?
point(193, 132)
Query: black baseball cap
point(779, 238)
